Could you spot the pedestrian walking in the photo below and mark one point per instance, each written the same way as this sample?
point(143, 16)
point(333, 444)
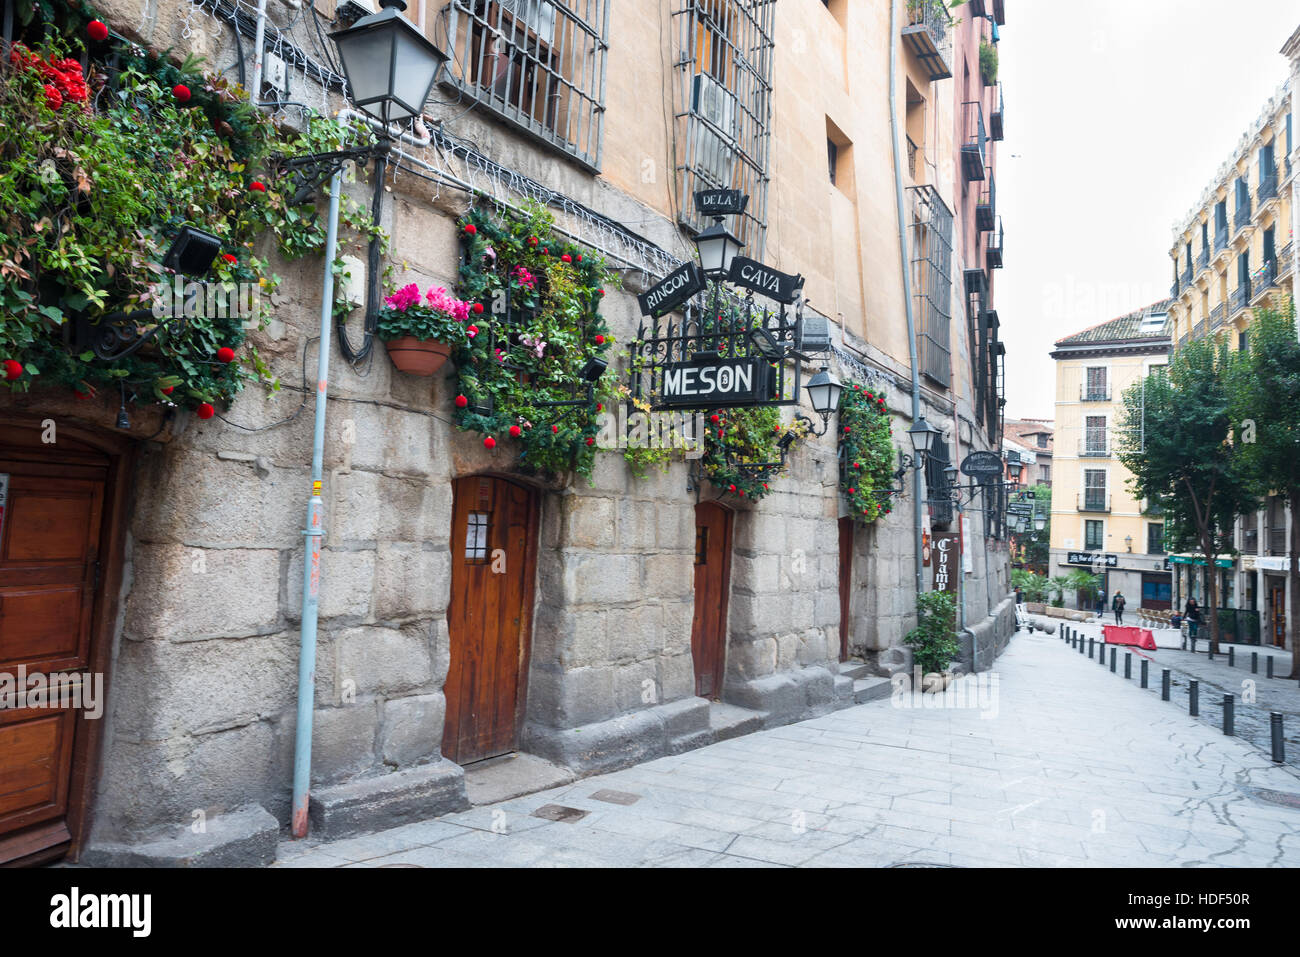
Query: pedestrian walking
point(1020, 596)
point(1192, 614)
point(1101, 604)
point(1117, 606)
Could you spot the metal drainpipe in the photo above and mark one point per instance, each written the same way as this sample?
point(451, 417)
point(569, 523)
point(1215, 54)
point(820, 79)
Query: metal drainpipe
point(259, 40)
point(313, 532)
point(907, 278)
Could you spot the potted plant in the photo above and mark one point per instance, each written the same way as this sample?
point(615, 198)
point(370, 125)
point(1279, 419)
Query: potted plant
point(934, 640)
point(988, 62)
point(420, 331)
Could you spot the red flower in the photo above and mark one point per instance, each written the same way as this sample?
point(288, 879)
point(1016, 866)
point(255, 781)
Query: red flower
point(205, 410)
point(566, 258)
point(846, 430)
point(765, 488)
point(80, 395)
point(731, 488)
point(182, 94)
point(470, 229)
point(600, 406)
point(461, 402)
point(13, 369)
point(515, 431)
point(590, 440)
point(97, 31)
point(545, 251)
point(477, 308)
point(225, 354)
point(857, 465)
point(852, 490)
point(257, 186)
point(602, 293)
point(715, 419)
point(229, 258)
point(579, 257)
point(167, 390)
point(489, 443)
point(532, 240)
point(53, 98)
point(555, 428)
point(600, 340)
point(742, 493)
point(471, 331)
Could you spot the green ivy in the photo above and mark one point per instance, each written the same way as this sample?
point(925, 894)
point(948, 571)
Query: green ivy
point(867, 451)
point(746, 435)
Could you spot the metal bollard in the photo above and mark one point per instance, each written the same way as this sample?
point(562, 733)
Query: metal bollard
point(1128, 665)
point(1164, 684)
point(1210, 650)
point(1254, 662)
point(1232, 657)
point(1270, 666)
point(1193, 646)
point(1144, 672)
point(1194, 698)
point(1227, 715)
point(1089, 646)
point(1112, 660)
point(1275, 726)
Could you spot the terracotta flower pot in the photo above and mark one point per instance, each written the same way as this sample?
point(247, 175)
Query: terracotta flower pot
point(418, 356)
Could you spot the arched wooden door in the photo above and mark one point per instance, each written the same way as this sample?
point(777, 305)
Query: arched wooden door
point(490, 617)
point(712, 587)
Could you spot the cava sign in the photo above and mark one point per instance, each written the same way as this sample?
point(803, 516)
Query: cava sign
point(710, 382)
point(765, 280)
point(676, 288)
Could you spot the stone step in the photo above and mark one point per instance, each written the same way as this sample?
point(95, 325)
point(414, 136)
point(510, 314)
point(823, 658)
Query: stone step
point(855, 669)
point(730, 721)
point(512, 775)
point(871, 689)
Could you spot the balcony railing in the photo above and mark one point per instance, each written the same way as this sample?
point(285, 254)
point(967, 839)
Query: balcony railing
point(1094, 394)
point(1218, 315)
point(912, 150)
point(1240, 298)
point(1221, 238)
point(1250, 541)
point(986, 207)
point(1183, 341)
point(1267, 188)
point(1094, 500)
point(994, 248)
point(1198, 330)
point(974, 145)
point(995, 117)
point(929, 35)
point(1277, 540)
point(1094, 447)
point(1173, 290)
point(1263, 279)
point(1242, 217)
point(1284, 259)
point(1187, 275)
point(1203, 259)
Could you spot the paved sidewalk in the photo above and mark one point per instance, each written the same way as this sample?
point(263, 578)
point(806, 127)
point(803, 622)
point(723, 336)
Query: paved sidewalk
point(1066, 765)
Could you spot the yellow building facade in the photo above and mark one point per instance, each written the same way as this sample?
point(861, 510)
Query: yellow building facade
point(1097, 524)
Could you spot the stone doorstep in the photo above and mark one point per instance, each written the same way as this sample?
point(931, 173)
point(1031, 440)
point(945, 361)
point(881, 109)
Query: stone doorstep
point(871, 689)
point(511, 776)
point(855, 669)
point(244, 837)
point(388, 800)
point(731, 721)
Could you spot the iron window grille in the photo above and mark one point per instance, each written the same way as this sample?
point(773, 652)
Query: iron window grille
point(932, 228)
point(938, 487)
point(1093, 535)
point(723, 50)
point(539, 65)
point(976, 292)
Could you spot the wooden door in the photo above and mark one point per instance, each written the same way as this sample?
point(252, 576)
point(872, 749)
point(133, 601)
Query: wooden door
point(493, 567)
point(1277, 601)
point(51, 517)
point(712, 587)
point(846, 583)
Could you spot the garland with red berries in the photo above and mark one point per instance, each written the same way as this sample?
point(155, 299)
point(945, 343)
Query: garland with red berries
point(866, 452)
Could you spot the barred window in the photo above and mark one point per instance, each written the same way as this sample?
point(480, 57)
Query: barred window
point(723, 50)
point(932, 280)
point(537, 64)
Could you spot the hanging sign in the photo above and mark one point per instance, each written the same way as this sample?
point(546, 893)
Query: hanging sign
point(944, 553)
point(710, 382)
point(675, 288)
point(1091, 558)
point(720, 202)
point(982, 466)
point(765, 280)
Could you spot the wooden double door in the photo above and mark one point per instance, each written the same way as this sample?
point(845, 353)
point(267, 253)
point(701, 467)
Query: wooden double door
point(55, 501)
point(713, 527)
point(493, 570)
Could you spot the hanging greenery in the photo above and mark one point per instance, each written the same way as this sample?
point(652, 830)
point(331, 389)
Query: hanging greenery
point(99, 170)
point(734, 437)
point(866, 451)
point(534, 327)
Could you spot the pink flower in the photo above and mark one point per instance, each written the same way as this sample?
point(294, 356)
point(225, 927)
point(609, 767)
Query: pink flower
point(404, 298)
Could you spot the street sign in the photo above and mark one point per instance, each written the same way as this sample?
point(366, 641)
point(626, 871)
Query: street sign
point(765, 280)
point(676, 288)
point(945, 550)
point(983, 466)
point(711, 382)
point(720, 202)
point(1016, 508)
point(1092, 558)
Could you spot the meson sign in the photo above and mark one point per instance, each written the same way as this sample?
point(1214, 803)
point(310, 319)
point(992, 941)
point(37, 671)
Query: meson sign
point(710, 382)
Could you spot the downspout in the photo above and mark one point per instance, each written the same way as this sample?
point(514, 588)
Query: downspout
point(259, 41)
point(907, 275)
point(313, 532)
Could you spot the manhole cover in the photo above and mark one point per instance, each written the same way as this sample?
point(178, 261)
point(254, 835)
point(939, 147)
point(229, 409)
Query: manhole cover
point(615, 797)
point(1280, 798)
point(558, 812)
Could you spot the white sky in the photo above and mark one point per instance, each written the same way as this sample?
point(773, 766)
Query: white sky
point(1118, 114)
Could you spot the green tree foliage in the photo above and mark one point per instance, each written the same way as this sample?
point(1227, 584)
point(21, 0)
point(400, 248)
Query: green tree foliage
point(1265, 382)
point(934, 639)
point(1174, 435)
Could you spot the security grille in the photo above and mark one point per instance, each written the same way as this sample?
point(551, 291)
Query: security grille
point(932, 280)
point(537, 64)
point(938, 487)
point(723, 50)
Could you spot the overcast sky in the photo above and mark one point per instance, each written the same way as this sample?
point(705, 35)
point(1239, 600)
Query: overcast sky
point(1118, 114)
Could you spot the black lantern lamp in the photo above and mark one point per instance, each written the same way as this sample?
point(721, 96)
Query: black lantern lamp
point(824, 393)
point(1014, 470)
point(1040, 522)
point(922, 434)
point(717, 247)
point(389, 64)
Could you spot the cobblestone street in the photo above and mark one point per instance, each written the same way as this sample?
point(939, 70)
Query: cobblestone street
point(1064, 765)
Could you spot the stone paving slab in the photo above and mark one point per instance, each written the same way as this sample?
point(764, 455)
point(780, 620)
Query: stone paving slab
point(1068, 765)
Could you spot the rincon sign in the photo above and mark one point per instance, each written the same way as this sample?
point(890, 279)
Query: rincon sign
point(765, 280)
point(675, 288)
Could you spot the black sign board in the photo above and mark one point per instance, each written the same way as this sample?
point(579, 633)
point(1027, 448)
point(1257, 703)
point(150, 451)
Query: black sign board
point(1020, 508)
point(720, 202)
point(710, 382)
point(765, 280)
point(1090, 558)
point(1027, 495)
point(676, 288)
point(983, 466)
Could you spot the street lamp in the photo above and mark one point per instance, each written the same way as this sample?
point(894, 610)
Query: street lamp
point(717, 248)
point(389, 64)
point(922, 434)
point(1040, 522)
point(824, 393)
point(1128, 542)
point(1014, 470)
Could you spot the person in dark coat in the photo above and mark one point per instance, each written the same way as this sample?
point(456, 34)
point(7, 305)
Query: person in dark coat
point(1117, 606)
point(1192, 614)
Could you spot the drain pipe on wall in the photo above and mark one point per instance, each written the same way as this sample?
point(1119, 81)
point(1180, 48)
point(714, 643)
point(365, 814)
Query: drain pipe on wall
point(907, 275)
point(313, 533)
point(259, 40)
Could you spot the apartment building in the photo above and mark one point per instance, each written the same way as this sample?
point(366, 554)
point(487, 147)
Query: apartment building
point(1097, 524)
point(1037, 435)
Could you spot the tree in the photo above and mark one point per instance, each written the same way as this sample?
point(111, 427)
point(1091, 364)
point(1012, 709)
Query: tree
point(1174, 436)
point(1266, 411)
point(1038, 543)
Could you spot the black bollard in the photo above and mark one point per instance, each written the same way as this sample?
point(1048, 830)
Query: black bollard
point(1254, 662)
point(1210, 650)
point(1112, 659)
point(1275, 726)
point(1193, 646)
point(1164, 684)
point(1232, 657)
point(1270, 666)
point(1089, 646)
point(1194, 698)
point(1144, 672)
point(1227, 715)
point(1128, 665)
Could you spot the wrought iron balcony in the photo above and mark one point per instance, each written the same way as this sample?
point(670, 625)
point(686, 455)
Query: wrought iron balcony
point(993, 252)
point(1198, 330)
point(1264, 279)
point(1218, 315)
point(928, 34)
point(1094, 447)
point(1285, 259)
point(974, 145)
point(1173, 290)
point(1242, 218)
point(995, 117)
point(1091, 500)
point(1095, 394)
point(1221, 238)
point(1183, 340)
point(1203, 260)
point(1277, 540)
point(1239, 299)
point(1250, 541)
point(1187, 275)
point(1267, 188)
point(986, 207)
